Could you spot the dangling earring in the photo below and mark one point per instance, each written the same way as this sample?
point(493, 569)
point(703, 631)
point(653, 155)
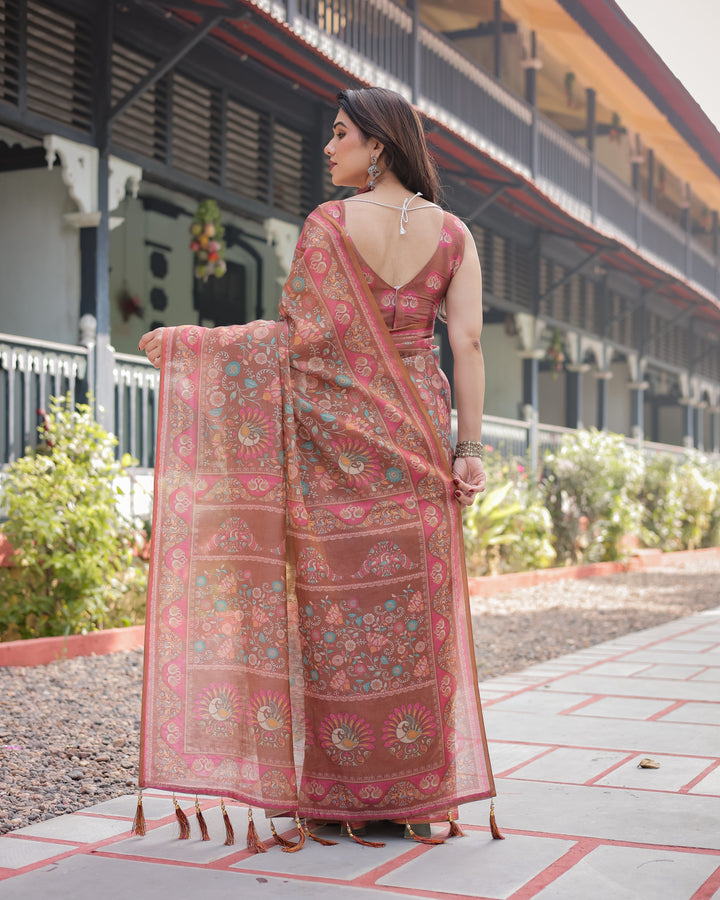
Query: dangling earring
point(373, 172)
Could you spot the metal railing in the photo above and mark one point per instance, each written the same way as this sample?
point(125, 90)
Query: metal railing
point(32, 371)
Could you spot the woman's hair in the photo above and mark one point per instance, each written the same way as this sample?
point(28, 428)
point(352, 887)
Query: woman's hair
point(389, 118)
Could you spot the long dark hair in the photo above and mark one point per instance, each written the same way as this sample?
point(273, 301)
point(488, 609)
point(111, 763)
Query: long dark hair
point(389, 118)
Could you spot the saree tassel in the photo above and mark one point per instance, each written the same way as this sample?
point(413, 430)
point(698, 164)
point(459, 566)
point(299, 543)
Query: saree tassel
point(319, 840)
point(254, 844)
point(423, 840)
point(182, 822)
point(278, 838)
point(202, 824)
point(455, 829)
point(285, 845)
point(359, 840)
point(229, 830)
point(139, 826)
point(494, 830)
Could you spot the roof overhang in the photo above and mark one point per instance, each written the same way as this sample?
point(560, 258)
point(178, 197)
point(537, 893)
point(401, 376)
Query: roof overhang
point(248, 30)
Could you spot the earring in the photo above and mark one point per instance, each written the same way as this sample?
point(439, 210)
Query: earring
point(373, 172)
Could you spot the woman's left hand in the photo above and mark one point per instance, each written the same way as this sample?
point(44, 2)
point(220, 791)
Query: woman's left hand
point(151, 343)
point(468, 478)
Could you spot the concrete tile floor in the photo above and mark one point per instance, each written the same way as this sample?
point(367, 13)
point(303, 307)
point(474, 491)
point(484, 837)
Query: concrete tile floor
point(581, 820)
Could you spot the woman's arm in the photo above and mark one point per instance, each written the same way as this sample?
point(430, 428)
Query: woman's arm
point(151, 342)
point(464, 321)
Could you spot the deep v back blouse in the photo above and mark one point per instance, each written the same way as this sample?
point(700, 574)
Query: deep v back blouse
point(409, 310)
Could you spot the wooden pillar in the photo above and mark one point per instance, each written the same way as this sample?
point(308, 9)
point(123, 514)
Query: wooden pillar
point(497, 39)
point(415, 82)
point(104, 355)
point(590, 131)
point(602, 404)
point(651, 177)
point(531, 98)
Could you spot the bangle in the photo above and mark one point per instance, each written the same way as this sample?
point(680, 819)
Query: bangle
point(469, 448)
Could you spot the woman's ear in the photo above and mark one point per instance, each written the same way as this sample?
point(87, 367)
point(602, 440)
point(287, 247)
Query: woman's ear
point(376, 148)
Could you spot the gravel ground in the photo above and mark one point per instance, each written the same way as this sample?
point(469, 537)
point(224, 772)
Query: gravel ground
point(69, 730)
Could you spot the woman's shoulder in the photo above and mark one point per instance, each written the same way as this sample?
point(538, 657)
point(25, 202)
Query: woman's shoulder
point(333, 209)
point(455, 232)
point(454, 223)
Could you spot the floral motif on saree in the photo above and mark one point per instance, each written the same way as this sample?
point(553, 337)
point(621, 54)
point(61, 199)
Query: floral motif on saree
point(308, 640)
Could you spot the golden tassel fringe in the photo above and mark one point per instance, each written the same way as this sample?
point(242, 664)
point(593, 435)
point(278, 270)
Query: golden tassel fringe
point(229, 831)
point(314, 837)
point(139, 826)
point(359, 840)
point(254, 844)
point(202, 824)
point(285, 845)
point(422, 840)
point(494, 830)
point(455, 829)
point(278, 838)
point(182, 821)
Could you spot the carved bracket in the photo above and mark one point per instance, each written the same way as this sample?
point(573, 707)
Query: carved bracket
point(80, 174)
point(79, 169)
point(530, 330)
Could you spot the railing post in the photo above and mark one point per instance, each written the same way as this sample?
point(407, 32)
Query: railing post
point(530, 408)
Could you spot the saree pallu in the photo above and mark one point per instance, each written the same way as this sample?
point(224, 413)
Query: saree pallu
point(308, 643)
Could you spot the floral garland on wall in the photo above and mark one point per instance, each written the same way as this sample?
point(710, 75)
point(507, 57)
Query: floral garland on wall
point(207, 241)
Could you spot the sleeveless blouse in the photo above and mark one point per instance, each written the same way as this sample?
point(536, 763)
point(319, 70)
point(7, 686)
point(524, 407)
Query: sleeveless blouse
point(409, 310)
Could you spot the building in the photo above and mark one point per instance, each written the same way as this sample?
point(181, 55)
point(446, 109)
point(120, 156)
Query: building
point(587, 174)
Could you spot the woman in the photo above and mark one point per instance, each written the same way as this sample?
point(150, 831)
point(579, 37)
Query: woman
point(309, 647)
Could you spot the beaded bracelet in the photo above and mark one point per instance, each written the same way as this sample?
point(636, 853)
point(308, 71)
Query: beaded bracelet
point(469, 448)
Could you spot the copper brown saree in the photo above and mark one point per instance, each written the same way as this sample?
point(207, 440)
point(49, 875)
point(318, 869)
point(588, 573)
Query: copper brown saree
point(308, 641)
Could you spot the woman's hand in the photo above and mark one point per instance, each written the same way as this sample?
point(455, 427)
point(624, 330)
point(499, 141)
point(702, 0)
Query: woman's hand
point(468, 478)
point(151, 343)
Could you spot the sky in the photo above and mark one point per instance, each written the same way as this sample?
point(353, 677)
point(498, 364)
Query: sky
point(685, 35)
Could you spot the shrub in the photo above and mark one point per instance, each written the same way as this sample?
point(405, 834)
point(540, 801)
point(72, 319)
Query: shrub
point(509, 530)
point(75, 549)
point(592, 486)
point(699, 498)
point(661, 496)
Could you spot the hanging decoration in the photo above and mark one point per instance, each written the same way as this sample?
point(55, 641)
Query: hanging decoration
point(569, 87)
point(129, 304)
point(662, 178)
point(556, 352)
point(207, 241)
point(615, 128)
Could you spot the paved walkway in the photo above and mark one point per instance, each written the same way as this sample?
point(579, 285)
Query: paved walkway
point(582, 820)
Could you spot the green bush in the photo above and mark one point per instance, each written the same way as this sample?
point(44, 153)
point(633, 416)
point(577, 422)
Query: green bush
point(76, 552)
point(699, 498)
point(596, 491)
point(592, 491)
point(661, 496)
point(509, 529)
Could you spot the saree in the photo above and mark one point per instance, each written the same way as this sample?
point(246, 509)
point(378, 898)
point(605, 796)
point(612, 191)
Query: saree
point(308, 642)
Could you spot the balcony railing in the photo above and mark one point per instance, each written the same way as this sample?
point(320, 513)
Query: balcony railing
point(375, 40)
point(32, 371)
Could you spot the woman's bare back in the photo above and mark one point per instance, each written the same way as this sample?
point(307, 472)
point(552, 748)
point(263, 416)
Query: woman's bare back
point(375, 231)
